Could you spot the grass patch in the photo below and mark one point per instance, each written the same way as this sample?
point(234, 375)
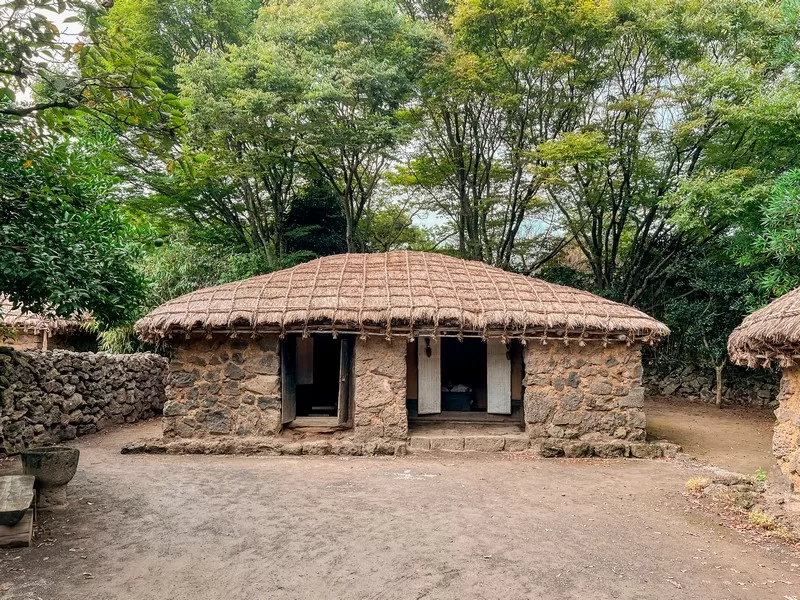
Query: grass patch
point(771, 526)
point(761, 519)
point(697, 484)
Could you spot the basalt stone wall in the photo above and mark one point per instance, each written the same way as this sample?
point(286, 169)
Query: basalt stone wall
point(48, 396)
point(741, 386)
point(224, 386)
point(380, 390)
point(786, 436)
point(588, 392)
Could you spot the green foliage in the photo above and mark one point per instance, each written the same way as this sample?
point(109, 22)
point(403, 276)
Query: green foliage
point(770, 243)
point(177, 31)
point(644, 150)
point(315, 223)
point(705, 298)
point(355, 63)
point(99, 75)
point(642, 130)
point(63, 245)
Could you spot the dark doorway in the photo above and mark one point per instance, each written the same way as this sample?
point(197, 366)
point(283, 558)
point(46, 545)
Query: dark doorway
point(463, 374)
point(318, 362)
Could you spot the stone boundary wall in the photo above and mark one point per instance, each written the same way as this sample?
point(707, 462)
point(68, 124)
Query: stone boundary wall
point(741, 387)
point(49, 396)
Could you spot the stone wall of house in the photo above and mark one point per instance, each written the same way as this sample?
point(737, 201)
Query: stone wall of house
point(588, 392)
point(380, 390)
point(224, 386)
point(48, 396)
point(24, 341)
point(786, 436)
point(741, 386)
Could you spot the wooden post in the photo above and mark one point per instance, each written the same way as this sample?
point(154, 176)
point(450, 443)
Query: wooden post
point(288, 379)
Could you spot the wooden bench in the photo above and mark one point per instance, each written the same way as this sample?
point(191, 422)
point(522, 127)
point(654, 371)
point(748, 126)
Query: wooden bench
point(16, 514)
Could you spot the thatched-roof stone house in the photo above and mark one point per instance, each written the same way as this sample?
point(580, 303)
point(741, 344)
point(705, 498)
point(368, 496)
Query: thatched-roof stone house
point(373, 342)
point(31, 331)
point(767, 338)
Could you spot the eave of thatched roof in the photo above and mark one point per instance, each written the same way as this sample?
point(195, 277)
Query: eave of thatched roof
point(28, 322)
point(399, 293)
point(770, 334)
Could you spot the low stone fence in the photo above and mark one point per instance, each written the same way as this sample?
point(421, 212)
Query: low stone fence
point(742, 387)
point(48, 396)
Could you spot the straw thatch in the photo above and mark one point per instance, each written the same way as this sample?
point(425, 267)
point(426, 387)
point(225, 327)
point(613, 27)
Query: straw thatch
point(34, 323)
point(399, 293)
point(769, 334)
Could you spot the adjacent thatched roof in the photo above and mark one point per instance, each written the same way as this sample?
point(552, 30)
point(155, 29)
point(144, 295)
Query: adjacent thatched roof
point(769, 334)
point(35, 323)
point(399, 293)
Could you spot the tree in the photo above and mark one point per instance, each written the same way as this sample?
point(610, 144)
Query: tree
point(514, 76)
point(63, 245)
point(176, 32)
point(706, 298)
point(359, 61)
point(99, 75)
point(645, 126)
point(315, 223)
point(769, 244)
point(242, 112)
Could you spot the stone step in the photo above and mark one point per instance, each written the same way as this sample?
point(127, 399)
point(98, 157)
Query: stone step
point(546, 448)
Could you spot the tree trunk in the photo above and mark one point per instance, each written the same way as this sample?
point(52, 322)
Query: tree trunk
point(718, 368)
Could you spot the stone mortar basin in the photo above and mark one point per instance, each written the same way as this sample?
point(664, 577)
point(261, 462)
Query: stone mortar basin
point(53, 466)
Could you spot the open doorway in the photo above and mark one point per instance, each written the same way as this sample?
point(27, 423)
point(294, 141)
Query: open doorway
point(464, 380)
point(463, 375)
point(316, 379)
point(318, 376)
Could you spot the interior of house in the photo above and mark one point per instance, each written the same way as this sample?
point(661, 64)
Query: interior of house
point(317, 376)
point(469, 379)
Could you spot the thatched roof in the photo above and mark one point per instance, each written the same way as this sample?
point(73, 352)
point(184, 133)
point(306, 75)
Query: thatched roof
point(770, 334)
point(399, 293)
point(36, 323)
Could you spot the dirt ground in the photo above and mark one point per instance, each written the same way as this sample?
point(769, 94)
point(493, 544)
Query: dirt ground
point(735, 438)
point(143, 527)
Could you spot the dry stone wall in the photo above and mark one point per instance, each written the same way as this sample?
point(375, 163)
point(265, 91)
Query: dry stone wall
point(590, 392)
point(741, 386)
point(224, 386)
point(48, 396)
point(380, 390)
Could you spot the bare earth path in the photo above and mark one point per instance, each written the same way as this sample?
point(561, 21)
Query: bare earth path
point(735, 438)
point(445, 526)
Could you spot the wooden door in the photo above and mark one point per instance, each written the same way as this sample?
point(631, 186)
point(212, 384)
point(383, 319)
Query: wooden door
point(289, 379)
point(429, 380)
point(345, 378)
point(498, 377)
